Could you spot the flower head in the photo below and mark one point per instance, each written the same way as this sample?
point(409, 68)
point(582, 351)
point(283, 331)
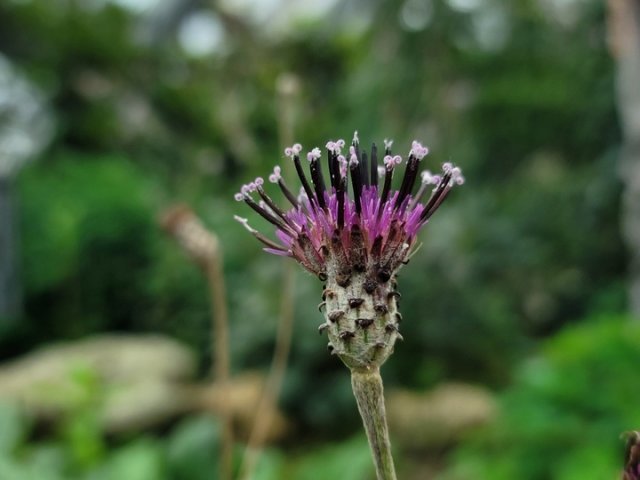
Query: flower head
point(326, 228)
point(356, 241)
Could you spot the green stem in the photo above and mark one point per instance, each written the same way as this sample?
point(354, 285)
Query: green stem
point(369, 393)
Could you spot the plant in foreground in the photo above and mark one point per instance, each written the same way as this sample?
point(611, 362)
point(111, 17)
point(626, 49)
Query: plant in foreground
point(356, 246)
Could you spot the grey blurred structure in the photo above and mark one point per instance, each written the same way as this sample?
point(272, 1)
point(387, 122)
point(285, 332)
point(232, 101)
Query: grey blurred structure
point(624, 40)
point(25, 129)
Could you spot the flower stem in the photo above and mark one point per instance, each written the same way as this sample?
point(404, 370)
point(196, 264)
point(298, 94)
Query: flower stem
point(369, 393)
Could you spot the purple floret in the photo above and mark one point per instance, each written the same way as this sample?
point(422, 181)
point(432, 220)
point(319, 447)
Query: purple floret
point(374, 227)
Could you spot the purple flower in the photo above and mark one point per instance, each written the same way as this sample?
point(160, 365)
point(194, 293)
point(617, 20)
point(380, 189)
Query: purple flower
point(329, 231)
point(355, 243)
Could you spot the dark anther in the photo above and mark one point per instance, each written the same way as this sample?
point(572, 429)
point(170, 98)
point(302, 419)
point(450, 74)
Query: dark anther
point(381, 345)
point(303, 179)
point(386, 187)
point(356, 181)
point(343, 279)
point(335, 316)
point(318, 182)
point(369, 286)
point(322, 276)
point(355, 302)
point(340, 194)
point(391, 327)
point(364, 322)
point(384, 275)
point(374, 165)
point(398, 317)
point(437, 197)
point(408, 181)
point(347, 335)
point(381, 308)
point(330, 347)
point(364, 169)
point(320, 305)
point(322, 328)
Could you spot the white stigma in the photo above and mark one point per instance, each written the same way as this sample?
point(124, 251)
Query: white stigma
point(343, 165)
point(302, 196)
point(245, 223)
point(388, 144)
point(265, 207)
point(391, 162)
point(276, 175)
point(427, 177)
point(356, 140)
point(353, 158)
point(314, 154)
point(293, 150)
point(335, 147)
point(417, 150)
point(456, 176)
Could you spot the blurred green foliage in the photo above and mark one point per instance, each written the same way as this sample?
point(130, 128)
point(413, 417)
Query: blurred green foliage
point(186, 453)
point(564, 415)
point(519, 94)
point(530, 119)
point(72, 457)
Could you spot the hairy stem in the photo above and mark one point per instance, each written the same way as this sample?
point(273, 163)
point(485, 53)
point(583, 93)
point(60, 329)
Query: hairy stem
point(369, 393)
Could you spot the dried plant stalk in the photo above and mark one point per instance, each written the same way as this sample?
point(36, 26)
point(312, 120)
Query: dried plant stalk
point(287, 87)
point(203, 248)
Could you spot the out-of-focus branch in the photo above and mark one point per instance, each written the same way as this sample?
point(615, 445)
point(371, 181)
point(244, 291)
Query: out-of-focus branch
point(10, 295)
point(287, 87)
point(165, 20)
point(624, 42)
point(204, 249)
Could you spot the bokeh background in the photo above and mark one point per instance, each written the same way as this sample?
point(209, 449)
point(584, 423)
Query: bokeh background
point(520, 354)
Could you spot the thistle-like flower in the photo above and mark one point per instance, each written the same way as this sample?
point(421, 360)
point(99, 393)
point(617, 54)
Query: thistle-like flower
point(356, 244)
